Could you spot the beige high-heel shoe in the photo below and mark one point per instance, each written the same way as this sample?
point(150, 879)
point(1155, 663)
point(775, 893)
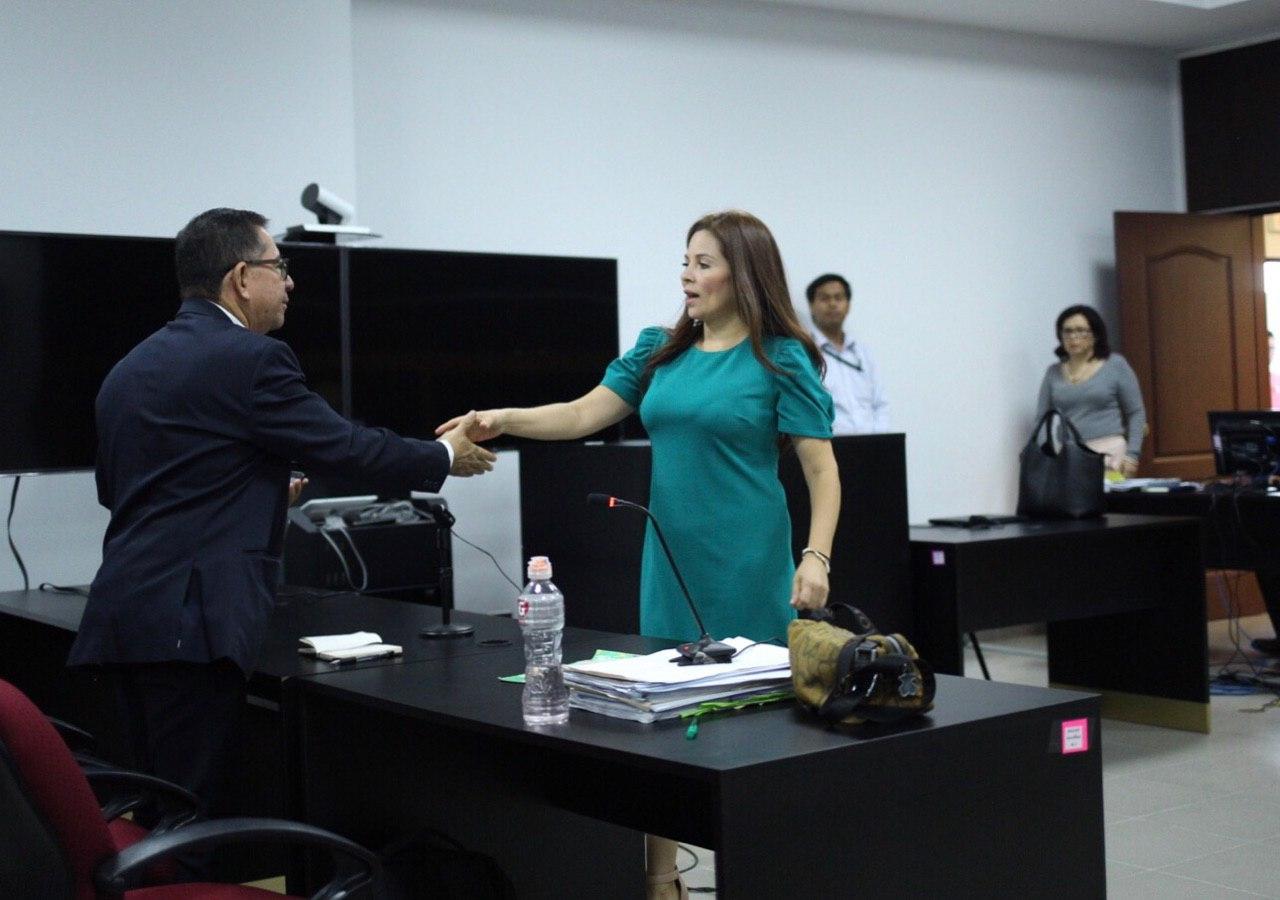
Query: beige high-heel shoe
point(656, 881)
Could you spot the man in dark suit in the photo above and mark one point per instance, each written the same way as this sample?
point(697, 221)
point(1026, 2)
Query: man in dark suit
point(197, 428)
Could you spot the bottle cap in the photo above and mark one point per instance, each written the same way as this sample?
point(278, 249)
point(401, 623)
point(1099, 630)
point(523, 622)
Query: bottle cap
point(539, 568)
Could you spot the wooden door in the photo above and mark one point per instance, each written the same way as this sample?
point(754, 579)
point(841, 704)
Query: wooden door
point(1193, 326)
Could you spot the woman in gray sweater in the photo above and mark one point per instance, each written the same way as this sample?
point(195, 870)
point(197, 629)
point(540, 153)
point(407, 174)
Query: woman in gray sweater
point(1095, 389)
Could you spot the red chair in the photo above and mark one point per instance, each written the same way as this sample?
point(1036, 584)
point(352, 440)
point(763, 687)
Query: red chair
point(120, 791)
point(54, 841)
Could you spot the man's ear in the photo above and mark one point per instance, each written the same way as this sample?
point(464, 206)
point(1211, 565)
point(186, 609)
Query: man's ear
point(238, 276)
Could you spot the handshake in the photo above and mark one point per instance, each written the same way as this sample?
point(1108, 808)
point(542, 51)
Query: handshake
point(461, 433)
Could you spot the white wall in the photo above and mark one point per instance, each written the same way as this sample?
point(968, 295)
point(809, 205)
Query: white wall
point(963, 180)
point(129, 118)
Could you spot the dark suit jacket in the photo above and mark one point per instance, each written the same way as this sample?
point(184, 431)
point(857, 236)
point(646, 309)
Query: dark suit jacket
point(197, 427)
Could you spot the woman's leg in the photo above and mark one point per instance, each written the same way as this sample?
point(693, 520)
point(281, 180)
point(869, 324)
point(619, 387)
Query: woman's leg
point(660, 869)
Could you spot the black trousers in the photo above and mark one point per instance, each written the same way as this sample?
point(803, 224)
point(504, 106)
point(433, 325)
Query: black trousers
point(183, 719)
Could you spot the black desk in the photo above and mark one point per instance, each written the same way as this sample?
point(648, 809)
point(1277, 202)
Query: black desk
point(1242, 530)
point(975, 800)
point(1123, 598)
point(596, 551)
point(37, 629)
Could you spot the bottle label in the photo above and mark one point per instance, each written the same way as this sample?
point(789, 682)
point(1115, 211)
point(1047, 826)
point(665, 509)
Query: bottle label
point(522, 607)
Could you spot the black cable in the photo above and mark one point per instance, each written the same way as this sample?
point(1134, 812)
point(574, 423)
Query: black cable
point(346, 569)
point(13, 502)
point(776, 641)
point(406, 587)
point(496, 564)
point(693, 865)
point(51, 588)
point(1239, 667)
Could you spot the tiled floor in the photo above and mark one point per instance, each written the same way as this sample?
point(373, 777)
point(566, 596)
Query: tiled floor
point(1187, 815)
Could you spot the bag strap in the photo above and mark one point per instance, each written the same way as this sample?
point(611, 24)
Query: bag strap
point(842, 615)
point(1044, 423)
point(855, 683)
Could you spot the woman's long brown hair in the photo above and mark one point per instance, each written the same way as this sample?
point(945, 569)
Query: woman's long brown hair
point(759, 290)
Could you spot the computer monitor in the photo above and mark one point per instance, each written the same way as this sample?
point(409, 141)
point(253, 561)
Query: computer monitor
point(1245, 442)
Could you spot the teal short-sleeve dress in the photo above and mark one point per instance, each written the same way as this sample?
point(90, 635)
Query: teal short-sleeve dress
point(714, 419)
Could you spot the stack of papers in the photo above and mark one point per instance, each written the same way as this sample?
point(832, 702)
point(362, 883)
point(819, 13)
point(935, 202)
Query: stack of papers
point(648, 688)
point(354, 647)
point(1150, 484)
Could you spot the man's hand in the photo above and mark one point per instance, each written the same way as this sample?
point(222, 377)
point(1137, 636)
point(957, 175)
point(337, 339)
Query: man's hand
point(295, 489)
point(486, 425)
point(468, 459)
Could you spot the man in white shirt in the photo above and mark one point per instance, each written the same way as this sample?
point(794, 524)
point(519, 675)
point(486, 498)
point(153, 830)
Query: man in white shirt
point(852, 378)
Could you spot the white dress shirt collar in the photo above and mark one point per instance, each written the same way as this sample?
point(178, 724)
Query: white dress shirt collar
point(226, 312)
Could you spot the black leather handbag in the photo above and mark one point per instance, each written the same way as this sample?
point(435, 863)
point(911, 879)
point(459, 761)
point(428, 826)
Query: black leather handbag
point(1062, 483)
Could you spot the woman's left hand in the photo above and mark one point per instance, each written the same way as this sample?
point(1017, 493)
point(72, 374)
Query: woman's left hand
point(1128, 466)
point(810, 587)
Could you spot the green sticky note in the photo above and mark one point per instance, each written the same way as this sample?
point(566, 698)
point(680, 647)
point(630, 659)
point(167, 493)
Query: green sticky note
point(613, 654)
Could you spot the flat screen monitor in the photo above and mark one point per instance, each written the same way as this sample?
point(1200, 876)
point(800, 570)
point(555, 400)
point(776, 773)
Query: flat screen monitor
point(71, 306)
point(313, 325)
point(434, 334)
point(1245, 442)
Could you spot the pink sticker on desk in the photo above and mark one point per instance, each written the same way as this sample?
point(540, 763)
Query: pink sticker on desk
point(939, 557)
point(1075, 736)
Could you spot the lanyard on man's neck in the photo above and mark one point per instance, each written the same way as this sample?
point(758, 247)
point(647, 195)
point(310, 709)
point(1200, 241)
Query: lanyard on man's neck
point(855, 364)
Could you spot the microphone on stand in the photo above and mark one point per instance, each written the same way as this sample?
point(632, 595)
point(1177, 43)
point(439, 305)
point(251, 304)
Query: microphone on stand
point(704, 650)
point(439, 513)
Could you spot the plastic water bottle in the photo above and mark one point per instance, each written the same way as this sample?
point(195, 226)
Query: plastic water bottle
point(540, 612)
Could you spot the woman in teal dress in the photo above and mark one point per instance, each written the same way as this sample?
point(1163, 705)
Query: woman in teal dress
point(735, 382)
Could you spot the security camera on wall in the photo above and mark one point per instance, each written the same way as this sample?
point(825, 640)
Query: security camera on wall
point(334, 215)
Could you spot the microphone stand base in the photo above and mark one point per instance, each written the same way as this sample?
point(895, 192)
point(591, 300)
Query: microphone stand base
point(704, 652)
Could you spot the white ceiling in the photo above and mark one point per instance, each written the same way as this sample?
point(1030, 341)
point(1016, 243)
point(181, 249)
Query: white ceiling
point(1175, 25)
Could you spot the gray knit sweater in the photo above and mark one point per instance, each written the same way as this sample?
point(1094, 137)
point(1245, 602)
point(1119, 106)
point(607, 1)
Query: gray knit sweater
point(1108, 403)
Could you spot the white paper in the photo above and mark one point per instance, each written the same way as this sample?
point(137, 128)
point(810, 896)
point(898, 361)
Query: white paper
point(330, 642)
point(658, 669)
point(364, 651)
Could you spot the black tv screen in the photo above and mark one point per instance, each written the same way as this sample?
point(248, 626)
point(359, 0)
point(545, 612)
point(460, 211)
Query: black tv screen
point(71, 306)
point(313, 324)
point(1231, 133)
point(434, 334)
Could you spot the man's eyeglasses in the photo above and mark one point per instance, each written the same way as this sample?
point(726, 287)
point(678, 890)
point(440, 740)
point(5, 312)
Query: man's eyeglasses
point(1076, 332)
point(280, 264)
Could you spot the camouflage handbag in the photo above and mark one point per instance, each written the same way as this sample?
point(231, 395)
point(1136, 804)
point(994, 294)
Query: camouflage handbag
point(851, 674)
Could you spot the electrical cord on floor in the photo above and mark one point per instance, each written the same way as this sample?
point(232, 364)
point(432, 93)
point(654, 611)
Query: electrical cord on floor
point(693, 865)
point(8, 527)
point(1240, 667)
